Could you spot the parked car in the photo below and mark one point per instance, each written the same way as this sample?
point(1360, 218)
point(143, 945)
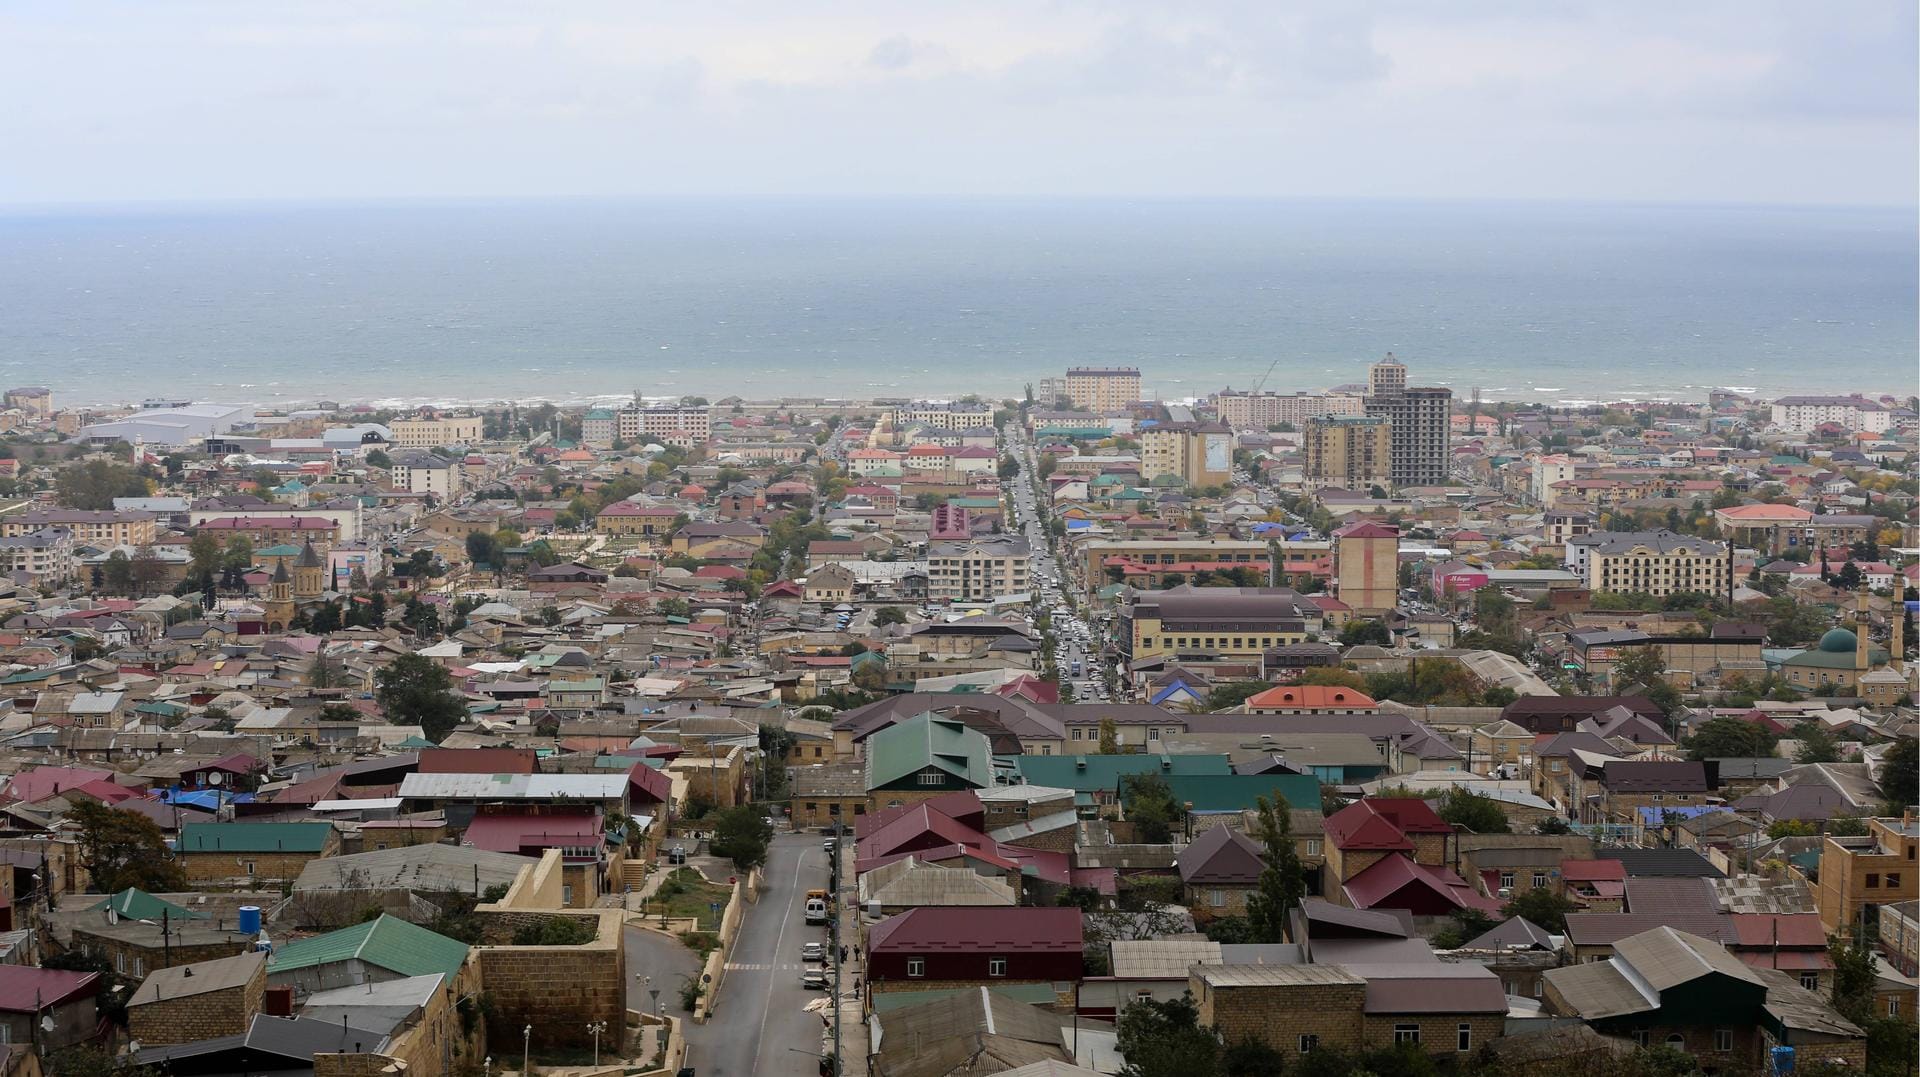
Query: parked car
point(814, 979)
point(677, 855)
point(813, 951)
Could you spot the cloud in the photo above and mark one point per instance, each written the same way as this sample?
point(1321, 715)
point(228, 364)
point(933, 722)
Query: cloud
point(1734, 100)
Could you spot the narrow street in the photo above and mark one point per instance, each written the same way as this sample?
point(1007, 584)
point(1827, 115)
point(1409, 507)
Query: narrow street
point(759, 1026)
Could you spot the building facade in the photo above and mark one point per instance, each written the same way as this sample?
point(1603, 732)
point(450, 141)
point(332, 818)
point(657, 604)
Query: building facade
point(1199, 454)
point(1103, 388)
point(980, 569)
point(1259, 411)
point(434, 431)
point(1657, 563)
point(1354, 451)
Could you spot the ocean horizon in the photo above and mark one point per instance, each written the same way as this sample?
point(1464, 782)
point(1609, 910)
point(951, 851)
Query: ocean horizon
point(583, 301)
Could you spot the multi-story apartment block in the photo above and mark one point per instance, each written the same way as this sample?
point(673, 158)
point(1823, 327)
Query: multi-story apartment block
point(88, 527)
point(1049, 393)
point(1227, 622)
point(1657, 563)
point(977, 570)
point(1366, 566)
point(944, 415)
point(1805, 414)
point(599, 428)
point(684, 426)
point(43, 557)
point(1102, 555)
point(1349, 450)
point(1548, 472)
point(425, 473)
point(1259, 411)
point(35, 400)
point(1199, 454)
point(1103, 388)
point(434, 431)
point(1860, 874)
point(1421, 419)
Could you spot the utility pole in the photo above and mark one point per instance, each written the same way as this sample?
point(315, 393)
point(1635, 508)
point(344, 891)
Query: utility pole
point(833, 941)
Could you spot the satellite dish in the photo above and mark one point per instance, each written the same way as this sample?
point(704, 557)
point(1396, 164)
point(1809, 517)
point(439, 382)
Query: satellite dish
point(214, 777)
point(46, 1023)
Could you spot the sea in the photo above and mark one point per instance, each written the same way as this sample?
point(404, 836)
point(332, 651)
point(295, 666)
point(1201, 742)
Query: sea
point(581, 301)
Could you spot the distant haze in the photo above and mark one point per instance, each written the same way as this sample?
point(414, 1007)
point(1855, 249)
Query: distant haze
point(1734, 101)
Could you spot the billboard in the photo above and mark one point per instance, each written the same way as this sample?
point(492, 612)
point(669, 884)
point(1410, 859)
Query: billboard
point(1219, 452)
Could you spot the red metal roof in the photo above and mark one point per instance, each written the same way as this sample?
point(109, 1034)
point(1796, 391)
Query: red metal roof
point(1769, 929)
point(24, 989)
point(515, 833)
point(933, 929)
point(1381, 881)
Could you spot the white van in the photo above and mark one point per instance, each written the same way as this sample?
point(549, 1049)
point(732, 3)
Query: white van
point(816, 911)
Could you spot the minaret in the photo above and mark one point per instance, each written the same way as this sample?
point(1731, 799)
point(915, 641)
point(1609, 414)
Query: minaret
point(1897, 646)
point(1860, 663)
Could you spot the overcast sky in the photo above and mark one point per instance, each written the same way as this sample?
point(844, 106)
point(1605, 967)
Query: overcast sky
point(1702, 100)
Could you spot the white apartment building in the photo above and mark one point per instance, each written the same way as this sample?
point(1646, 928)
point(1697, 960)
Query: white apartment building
point(946, 415)
point(979, 569)
point(1548, 470)
point(1258, 411)
point(1805, 414)
point(425, 473)
point(435, 432)
point(684, 426)
point(1103, 388)
point(43, 557)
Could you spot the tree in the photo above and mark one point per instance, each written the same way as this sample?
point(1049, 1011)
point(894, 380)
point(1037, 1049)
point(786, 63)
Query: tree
point(1282, 884)
point(1234, 693)
point(889, 615)
point(1369, 630)
point(1165, 1039)
point(94, 484)
point(421, 618)
point(1475, 813)
point(413, 690)
point(123, 848)
point(1541, 907)
point(1150, 807)
point(1730, 738)
point(1816, 744)
point(742, 834)
point(118, 574)
point(480, 549)
point(1109, 737)
point(1900, 773)
point(1644, 669)
point(1333, 677)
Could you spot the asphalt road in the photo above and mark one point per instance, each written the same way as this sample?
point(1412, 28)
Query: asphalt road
point(759, 1027)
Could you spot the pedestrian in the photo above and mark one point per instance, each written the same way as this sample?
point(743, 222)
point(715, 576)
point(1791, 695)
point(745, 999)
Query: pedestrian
point(843, 954)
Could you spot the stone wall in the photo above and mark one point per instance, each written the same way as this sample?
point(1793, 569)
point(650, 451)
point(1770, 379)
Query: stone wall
point(556, 989)
point(1280, 1015)
point(229, 870)
point(1439, 1033)
point(198, 1017)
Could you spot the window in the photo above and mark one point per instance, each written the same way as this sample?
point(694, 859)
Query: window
point(1810, 981)
point(1307, 1043)
point(929, 777)
point(1464, 1038)
point(1873, 878)
point(1077, 733)
point(250, 870)
point(1217, 898)
point(1313, 846)
point(1677, 1042)
point(1539, 880)
point(996, 966)
point(1046, 749)
point(1893, 880)
point(1506, 880)
point(916, 966)
point(1640, 1036)
point(1406, 1033)
point(1723, 1039)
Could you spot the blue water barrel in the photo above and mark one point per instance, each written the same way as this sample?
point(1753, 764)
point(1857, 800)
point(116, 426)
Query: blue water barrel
point(1782, 1061)
point(250, 919)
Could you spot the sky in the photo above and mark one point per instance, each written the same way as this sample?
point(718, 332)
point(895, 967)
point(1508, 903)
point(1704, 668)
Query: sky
point(1780, 101)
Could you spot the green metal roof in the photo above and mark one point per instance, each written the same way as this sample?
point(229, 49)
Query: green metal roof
point(928, 740)
point(284, 549)
point(417, 742)
point(134, 903)
point(585, 684)
point(254, 837)
point(1236, 792)
point(1092, 773)
point(389, 943)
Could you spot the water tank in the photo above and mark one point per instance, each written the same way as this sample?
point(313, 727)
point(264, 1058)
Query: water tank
point(1782, 1061)
point(249, 919)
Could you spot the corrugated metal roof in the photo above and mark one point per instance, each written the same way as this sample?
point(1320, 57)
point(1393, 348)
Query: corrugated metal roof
point(1161, 959)
point(1431, 987)
point(513, 786)
point(198, 978)
point(390, 943)
point(254, 837)
point(963, 930)
point(1277, 976)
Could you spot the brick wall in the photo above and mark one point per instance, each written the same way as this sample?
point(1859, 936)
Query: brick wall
point(225, 869)
point(1439, 1032)
point(556, 989)
point(199, 1017)
point(1280, 1015)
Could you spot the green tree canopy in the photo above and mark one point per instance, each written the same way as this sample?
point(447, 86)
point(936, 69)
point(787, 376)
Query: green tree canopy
point(1150, 807)
point(1730, 738)
point(742, 834)
point(1165, 1039)
point(1542, 907)
point(1282, 883)
point(413, 690)
point(1481, 815)
point(123, 848)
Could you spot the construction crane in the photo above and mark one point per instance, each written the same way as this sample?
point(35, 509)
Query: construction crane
point(1261, 384)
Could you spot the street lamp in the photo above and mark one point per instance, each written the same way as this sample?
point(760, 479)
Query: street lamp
point(596, 1027)
point(526, 1048)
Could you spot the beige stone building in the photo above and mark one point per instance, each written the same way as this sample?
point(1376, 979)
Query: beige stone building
point(1103, 388)
point(1198, 454)
point(200, 1001)
point(434, 431)
point(1354, 451)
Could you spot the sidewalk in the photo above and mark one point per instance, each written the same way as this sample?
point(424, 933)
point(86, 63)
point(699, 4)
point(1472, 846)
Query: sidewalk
point(854, 1037)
